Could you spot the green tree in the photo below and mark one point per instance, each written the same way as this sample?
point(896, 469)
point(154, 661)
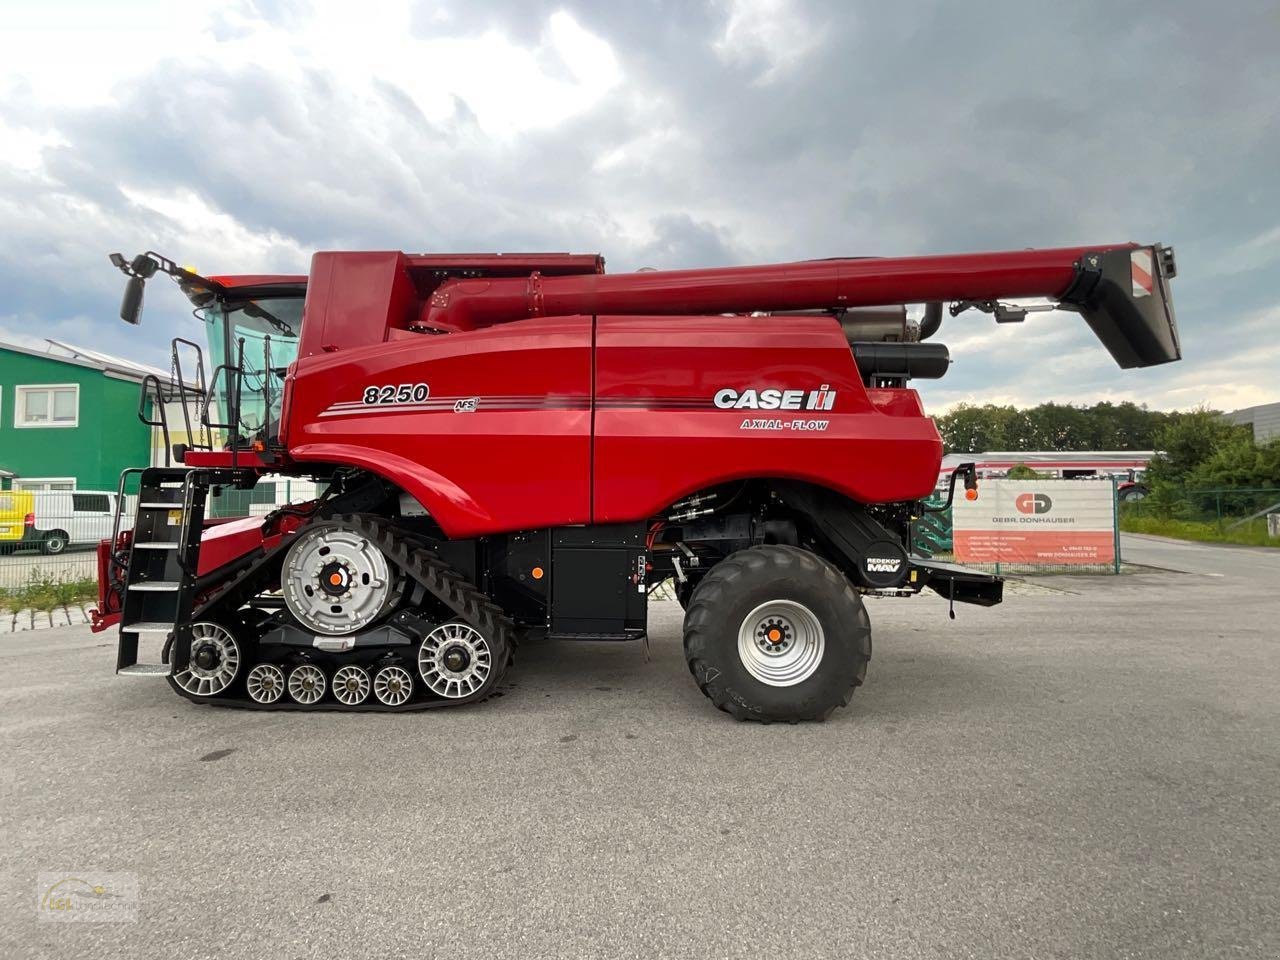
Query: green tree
point(1187, 441)
point(1238, 462)
point(1051, 426)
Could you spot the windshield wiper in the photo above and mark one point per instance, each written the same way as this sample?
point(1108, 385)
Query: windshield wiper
point(252, 309)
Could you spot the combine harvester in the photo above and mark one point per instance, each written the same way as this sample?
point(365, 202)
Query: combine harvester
point(515, 446)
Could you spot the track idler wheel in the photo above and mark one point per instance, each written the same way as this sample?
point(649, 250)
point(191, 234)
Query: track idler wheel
point(455, 661)
point(214, 661)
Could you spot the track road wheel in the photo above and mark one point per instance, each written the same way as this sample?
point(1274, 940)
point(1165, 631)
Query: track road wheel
point(777, 633)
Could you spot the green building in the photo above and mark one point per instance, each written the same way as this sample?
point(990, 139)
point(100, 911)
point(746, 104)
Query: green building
point(69, 418)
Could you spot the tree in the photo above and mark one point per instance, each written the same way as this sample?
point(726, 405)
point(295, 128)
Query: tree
point(1238, 462)
point(1193, 439)
point(1052, 426)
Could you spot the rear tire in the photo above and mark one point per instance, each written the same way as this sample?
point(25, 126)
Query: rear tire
point(54, 543)
point(775, 633)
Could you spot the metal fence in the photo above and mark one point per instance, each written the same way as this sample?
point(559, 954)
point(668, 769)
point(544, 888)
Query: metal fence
point(1227, 514)
point(48, 539)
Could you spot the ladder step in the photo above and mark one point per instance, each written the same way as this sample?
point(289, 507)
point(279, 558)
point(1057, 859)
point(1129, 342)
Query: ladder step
point(155, 505)
point(148, 626)
point(156, 545)
point(145, 670)
point(156, 585)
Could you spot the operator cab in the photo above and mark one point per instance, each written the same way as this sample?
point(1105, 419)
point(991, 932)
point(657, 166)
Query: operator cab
point(230, 397)
point(251, 342)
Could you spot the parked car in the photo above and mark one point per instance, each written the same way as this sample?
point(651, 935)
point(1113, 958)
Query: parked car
point(17, 515)
point(66, 518)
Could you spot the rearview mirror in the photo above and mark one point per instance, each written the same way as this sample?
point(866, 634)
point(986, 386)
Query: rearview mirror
point(131, 304)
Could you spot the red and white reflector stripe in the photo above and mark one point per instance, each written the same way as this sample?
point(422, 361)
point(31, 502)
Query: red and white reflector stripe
point(1143, 272)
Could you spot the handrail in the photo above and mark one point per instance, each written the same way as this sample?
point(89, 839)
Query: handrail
point(157, 404)
point(115, 520)
point(234, 385)
point(201, 388)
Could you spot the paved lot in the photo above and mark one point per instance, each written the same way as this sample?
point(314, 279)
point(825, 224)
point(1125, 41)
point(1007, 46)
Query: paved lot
point(1090, 771)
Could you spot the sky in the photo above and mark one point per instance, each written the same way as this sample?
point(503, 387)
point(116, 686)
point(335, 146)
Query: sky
point(239, 137)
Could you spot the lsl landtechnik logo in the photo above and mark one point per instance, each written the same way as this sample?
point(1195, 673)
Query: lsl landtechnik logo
point(1033, 503)
point(87, 896)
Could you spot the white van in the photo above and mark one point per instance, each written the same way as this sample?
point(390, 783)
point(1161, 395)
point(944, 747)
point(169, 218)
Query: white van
point(66, 518)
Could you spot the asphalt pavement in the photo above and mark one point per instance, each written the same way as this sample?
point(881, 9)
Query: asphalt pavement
point(1089, 770)
point(1251, 564)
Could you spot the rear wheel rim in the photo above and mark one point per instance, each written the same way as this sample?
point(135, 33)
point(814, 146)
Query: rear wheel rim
point(781, 643)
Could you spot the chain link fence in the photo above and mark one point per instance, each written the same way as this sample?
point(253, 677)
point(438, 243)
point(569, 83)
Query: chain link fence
point(49, 539)
point(1240, 515)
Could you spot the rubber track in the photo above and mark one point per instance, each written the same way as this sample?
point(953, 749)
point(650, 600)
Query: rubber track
point(440, 580)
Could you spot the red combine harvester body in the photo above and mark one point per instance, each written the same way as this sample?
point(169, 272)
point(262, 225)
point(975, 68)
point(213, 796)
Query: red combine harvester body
point(515, 446)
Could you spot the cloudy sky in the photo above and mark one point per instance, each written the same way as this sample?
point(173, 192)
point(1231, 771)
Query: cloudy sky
point(240, 137)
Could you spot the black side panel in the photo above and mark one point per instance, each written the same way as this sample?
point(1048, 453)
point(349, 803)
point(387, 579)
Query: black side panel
point(598, 588)
point(1124, 296)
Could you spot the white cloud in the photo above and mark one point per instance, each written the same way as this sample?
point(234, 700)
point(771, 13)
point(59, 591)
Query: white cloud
point(772, 33)
point(203, 233)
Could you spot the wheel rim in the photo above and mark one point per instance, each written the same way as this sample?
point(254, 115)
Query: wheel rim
point(781, 643)
point(306, 683)
point(213, 663)
point(454, 660)
point(393, 686)
point(336, 581)
point(265, 683)
point(351, 685)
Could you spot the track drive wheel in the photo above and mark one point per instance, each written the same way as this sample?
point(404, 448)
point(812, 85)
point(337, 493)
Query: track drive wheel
point(775, 633)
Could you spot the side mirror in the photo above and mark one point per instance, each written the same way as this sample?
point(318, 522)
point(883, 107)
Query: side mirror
point(131, 304)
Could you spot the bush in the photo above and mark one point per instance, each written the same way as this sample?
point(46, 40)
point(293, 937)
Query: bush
point(1021, 471)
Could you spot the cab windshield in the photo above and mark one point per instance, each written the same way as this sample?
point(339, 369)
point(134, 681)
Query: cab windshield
point(259, 337)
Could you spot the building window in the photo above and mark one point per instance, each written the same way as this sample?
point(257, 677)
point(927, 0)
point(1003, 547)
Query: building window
point(45, 483)
point(52, 405)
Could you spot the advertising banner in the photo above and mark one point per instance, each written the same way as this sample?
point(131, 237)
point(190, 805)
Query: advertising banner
point(1037, 522)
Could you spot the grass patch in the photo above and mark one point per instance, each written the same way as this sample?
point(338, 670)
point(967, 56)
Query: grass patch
point(1251, 534)
point(45, 593)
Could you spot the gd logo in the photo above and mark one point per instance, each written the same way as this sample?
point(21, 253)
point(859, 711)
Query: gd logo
point(1033, 503)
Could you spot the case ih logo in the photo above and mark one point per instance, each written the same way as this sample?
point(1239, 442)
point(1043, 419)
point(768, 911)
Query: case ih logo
point(824, 398)
point(1033, 503)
